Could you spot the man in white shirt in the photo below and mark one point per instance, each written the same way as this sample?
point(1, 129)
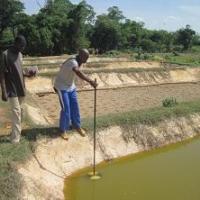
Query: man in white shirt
point(65, 87)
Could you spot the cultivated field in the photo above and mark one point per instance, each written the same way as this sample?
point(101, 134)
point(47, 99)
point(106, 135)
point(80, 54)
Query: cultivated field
point(124, 85)
point(122, 99)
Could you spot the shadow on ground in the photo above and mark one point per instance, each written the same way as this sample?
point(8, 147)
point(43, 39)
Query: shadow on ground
point(36, 133)
point(33, 134)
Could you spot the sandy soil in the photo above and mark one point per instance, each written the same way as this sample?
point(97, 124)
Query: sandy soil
point(124, 99)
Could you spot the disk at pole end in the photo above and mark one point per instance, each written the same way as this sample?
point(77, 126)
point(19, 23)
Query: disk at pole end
point(95, 177)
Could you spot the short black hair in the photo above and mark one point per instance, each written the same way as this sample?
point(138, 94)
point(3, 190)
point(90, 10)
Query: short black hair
point(20, 39)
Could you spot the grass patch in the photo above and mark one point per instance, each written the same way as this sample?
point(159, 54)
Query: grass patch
point(189, 59)
point(148, 117)
point(169, 102)
point(10, 155)
point(182, 59)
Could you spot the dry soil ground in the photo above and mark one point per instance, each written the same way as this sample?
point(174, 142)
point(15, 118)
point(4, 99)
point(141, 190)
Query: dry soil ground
point(122, 99)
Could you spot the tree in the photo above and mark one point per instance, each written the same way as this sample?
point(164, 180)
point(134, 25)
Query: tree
point(185, 37)
point(55, 17)
point(107, 34)
point(196, 40)
point(163, 39)
point(131, 33)
point(81, 16)
point(148, 45)
point(6, 39)
point(115, 14)
point(62, 27)
point(9, 11)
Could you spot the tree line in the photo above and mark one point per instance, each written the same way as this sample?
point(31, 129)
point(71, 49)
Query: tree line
point(62, 27)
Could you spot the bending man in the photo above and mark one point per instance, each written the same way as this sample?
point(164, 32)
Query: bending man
point(66, 90)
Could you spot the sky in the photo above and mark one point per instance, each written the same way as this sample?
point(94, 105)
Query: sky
point(156, 14)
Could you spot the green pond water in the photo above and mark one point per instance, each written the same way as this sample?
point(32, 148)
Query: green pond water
point(171, 173)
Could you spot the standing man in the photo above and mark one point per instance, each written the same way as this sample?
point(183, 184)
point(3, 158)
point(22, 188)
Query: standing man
point(65, 87)
point(12, 83)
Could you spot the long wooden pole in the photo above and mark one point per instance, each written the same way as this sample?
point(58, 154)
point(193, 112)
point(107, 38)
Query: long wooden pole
point(95, 113)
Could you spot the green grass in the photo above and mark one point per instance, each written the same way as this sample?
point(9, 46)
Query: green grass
point(169, 102)
point(195, 49)
point(12, 155)
point(148, 117)
point(189, 59)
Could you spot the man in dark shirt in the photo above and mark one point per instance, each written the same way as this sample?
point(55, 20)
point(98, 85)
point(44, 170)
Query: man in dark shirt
point(12, 83)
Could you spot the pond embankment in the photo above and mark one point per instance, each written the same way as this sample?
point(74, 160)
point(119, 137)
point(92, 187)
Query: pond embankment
point(55, 159)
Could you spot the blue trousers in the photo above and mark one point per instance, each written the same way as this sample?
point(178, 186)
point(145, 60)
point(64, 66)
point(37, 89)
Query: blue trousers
point(70, 114)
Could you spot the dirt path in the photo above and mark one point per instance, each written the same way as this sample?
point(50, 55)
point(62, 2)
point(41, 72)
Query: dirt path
point(124, 99)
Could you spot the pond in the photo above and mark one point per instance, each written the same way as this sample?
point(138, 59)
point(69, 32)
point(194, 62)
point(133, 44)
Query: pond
point(169, 173)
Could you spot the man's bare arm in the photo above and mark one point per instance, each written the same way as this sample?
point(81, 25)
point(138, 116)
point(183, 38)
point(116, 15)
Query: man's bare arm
point(81, 75)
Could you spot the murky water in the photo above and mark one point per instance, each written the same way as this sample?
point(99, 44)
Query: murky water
point(171, 173)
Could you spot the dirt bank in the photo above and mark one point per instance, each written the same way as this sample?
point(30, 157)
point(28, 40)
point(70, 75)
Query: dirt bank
point(56, 159)
point(119, 79)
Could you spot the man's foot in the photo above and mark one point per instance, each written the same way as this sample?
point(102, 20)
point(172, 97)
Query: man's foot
point(64, 136)
point(81, 131)
point(14, 139)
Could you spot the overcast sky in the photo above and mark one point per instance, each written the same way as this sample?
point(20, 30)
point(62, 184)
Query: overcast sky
point(156, 14)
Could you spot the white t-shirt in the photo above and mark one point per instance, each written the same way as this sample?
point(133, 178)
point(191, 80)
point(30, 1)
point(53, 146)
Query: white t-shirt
point(66, 76)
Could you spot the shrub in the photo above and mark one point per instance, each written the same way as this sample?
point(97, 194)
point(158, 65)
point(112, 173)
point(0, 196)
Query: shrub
point(113, 53)
point(169, 102)
point(148, 56)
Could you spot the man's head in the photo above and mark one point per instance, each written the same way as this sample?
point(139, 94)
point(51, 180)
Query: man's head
point(83, 55)
point(20, 43)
